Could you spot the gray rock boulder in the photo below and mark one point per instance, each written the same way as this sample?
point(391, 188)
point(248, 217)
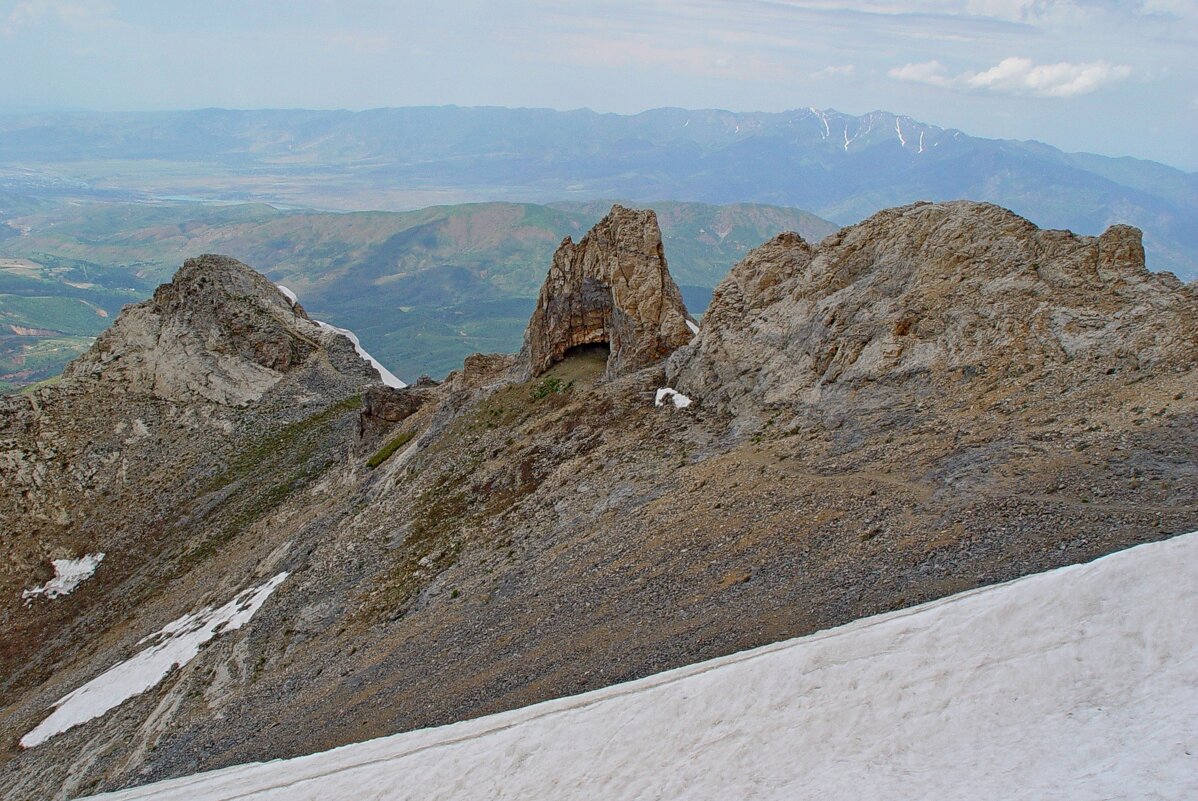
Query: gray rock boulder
point(927, 297)
point(219, 331)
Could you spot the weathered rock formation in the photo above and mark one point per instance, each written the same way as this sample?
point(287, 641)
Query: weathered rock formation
point(613, 287)
point(219, 331)
point(940, 398)
point(931, 301)
point(190, 417)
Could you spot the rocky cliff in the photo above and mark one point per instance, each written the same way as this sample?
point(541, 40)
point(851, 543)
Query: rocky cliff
point(954, 301)
point(182, 423)
point(613, 288)
point(217, 332)
point(940, 398)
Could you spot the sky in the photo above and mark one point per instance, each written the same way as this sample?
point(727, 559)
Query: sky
point(1109, 77)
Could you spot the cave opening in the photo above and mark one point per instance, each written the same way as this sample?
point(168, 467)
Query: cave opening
point(589, 350)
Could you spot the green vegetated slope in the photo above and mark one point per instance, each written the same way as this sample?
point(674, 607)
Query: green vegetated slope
point(843, 167)
point(422, 289)
point(52, 308)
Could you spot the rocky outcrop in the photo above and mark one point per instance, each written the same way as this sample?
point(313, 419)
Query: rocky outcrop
point(488, 545)
point(195, 413)
point(930, 301)
point(613, 287)
point(219, 331)
point(383, 406)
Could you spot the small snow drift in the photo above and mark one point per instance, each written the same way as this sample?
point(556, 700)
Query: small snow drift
point(388, 378)
point(68, 574)
point(175, 644)
point(386, 375)
point(1077, 683)
point(287, 293)
point(665, 394)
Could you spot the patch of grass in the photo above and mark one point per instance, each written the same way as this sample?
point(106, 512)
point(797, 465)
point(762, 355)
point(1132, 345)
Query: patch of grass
point(549, 385)
point(273, 468)
point(384, 453)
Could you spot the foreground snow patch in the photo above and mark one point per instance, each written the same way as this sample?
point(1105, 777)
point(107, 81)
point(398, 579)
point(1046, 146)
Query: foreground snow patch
point(68, 574)
point(386, 375)
point(1078, 684)
point(679, 400)
point(175, 644)
point(691, 325)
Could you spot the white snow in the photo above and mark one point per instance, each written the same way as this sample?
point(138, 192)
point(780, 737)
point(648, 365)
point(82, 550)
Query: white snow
point(664, 394)
point(68, 574)
point(287, 293)
point(175, 644)
point(899, 130)
point(691, 323)
point(386, 375)
point(1080, 683)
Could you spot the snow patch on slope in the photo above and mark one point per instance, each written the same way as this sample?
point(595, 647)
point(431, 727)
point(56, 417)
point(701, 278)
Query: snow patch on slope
point(386, 375)
point(68, 574)
point(1073, 684)
point(666, 394)
point(287, 293)
point(176, 644)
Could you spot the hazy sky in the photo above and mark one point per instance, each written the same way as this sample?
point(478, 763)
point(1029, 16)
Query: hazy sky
point(1111, 77)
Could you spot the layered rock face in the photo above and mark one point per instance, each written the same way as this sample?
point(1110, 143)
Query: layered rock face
point(211, 397)
point(931, 301)
point(219, 331)
point(613, 287)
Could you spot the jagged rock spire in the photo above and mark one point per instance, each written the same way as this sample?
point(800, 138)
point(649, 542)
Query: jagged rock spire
point(613, 287)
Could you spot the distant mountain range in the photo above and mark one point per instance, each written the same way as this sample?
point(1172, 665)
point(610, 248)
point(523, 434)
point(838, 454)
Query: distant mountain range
point(839, 166)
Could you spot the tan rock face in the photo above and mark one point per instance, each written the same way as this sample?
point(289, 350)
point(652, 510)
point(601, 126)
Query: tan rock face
point(219, 331)
point(929, 301)
point(612, 287)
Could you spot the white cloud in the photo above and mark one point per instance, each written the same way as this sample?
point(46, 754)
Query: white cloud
point(927, 72)
point(1020, 76)
point(836, 71)
point(1170, 8)
point(31, 12)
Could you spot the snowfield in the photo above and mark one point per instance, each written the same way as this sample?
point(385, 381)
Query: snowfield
point(176, 644)
point(1080, 683)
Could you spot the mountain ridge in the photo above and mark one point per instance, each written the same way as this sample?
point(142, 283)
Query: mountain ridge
point(476, 545)
point(839, 166)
